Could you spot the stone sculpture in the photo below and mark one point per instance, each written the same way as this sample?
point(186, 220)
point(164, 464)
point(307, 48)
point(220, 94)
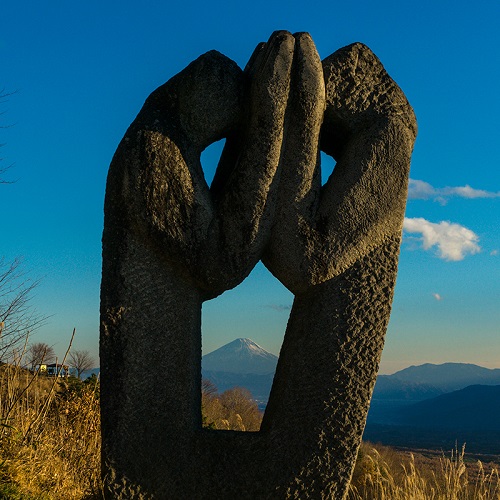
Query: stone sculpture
point(171, 242)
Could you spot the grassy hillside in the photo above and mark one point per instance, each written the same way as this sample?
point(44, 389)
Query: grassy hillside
point(50, 448)
point(383, 473)
point(49, 436)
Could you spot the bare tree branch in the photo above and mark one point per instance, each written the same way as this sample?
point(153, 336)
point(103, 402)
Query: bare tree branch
point(17, 316)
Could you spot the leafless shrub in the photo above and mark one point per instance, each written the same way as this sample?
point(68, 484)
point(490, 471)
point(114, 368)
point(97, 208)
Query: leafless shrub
point(49, 436)
point(17, 316)
point(81, 361)
point(234, 409)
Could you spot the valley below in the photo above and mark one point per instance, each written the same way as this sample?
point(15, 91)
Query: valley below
point(428, 407)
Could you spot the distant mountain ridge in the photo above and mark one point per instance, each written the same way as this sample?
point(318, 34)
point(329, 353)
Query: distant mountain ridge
point(421, 406)
point(389, 388)
point(436, 406)
point(449, 376)
point(470, 415)
point(417, 383)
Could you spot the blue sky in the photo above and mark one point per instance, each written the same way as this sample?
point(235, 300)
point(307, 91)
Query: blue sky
point(82, 70)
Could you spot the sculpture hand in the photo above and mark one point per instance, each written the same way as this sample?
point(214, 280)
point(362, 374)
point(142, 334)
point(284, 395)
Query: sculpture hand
point(245, 185)
point(369, 128)
point(215, 238)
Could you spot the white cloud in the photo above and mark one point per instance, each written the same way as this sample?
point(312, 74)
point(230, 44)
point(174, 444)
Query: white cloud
point(494, 252)
point(421, 190)
point(279, 307)
point(437, 296)
point(453, 241)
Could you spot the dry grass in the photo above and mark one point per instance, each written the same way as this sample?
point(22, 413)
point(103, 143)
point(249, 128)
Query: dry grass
point(50, 448)
point(49, 437)
point(384, 474)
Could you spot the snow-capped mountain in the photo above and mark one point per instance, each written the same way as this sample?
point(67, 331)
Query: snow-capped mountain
point(240, 356)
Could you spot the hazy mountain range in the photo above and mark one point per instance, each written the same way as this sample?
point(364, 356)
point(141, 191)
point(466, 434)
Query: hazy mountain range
point(450, 395)
point(468, 416)
point(428, 380)
point(432, 406)
point(243, 359)
point(427, 406)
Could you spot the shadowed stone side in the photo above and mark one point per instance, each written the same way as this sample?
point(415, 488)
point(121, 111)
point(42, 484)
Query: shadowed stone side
point(170, 242)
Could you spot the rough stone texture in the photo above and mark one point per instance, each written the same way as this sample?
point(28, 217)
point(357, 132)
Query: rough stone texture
point(170, 242)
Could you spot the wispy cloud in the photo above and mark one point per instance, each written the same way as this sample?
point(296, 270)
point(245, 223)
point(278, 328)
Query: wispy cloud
point(437, 296)
point(421, 190)
point(279, 307)
point(452, 241)
point(494, 252)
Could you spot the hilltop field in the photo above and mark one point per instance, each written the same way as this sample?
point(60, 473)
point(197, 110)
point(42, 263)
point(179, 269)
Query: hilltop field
point(50, 446)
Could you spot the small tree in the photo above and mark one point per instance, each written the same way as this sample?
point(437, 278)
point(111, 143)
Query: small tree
point(240, 410)
point(17, 317)
point(40, 353)
point(234, 409)
point(81, 361)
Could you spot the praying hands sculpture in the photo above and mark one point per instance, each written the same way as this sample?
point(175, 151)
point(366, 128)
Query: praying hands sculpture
point(172, 242)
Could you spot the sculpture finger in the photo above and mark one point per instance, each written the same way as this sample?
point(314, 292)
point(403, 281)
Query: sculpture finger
point(158, 212)
point(364, 201)
point(300, 181)
point(335, 334)
point(245, 194)
point(157, 165)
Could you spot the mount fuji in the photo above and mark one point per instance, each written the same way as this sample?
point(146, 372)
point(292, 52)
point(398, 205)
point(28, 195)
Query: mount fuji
point(241, 363)
point(240, 356)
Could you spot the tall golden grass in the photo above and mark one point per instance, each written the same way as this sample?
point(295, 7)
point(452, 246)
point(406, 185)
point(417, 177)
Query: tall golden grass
point(50, 449)
point(383, 474)
point(49, 436)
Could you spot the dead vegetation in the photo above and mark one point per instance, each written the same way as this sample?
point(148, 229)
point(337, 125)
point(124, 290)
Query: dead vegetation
point(49, 436)
point(233, 410)
point(383, 473)
point(50, 446)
